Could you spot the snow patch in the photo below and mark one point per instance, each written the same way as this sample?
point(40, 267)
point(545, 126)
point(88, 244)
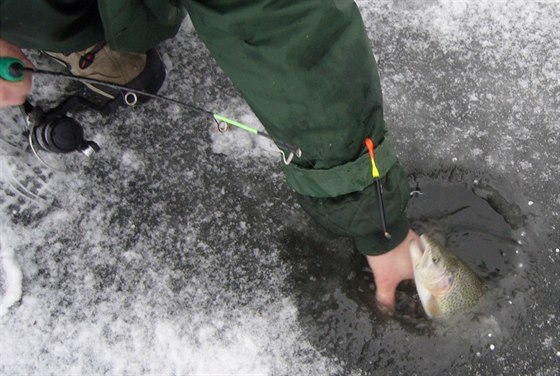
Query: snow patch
point(11, 272)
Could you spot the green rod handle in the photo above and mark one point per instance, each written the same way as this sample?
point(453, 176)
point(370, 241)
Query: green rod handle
point(10, 69)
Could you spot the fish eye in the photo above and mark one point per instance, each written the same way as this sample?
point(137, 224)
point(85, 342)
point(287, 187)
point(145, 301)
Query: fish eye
point(435, 260)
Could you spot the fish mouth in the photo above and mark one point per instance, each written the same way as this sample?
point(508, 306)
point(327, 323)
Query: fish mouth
point(419, 251)
point(425, 268)
point(431, 276)
point(423, 243)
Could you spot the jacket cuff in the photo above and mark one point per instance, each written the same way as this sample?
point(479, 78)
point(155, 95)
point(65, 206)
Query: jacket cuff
point(341, 180)
point(376, 244)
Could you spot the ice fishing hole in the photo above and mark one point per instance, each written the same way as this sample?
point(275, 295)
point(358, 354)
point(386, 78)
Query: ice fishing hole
point(473, 218)
point(333, 287)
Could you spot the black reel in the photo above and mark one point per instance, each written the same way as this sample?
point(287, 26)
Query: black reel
point(53, 131)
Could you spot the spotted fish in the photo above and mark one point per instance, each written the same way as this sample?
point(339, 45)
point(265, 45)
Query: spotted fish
point(445, 284)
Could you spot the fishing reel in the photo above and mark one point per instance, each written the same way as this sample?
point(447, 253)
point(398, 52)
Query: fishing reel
point(55, 132)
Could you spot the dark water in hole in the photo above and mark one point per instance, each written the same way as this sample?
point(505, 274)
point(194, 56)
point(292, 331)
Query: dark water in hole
point(468, 224)
point(334, 286)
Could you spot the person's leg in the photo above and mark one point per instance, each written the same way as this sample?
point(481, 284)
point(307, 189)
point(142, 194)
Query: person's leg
point(307, 71)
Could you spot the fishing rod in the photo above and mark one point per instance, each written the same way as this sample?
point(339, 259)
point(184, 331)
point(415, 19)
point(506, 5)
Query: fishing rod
point(12, 69)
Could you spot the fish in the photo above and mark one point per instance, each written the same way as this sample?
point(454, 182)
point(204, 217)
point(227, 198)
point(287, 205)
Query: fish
point(446, 285)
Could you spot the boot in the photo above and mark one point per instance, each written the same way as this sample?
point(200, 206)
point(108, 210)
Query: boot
point(140, 71)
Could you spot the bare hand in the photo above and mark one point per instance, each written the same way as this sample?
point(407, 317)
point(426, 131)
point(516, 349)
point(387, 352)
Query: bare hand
point(389, 269)
point(14, 93)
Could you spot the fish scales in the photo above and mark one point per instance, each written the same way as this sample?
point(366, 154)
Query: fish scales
point(446, 285)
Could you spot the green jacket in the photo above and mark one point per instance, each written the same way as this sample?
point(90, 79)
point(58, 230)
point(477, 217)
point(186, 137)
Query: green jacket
point(135, 25)
point(305, 68)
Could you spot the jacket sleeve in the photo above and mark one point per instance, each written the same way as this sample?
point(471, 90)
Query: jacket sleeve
point(307, 71)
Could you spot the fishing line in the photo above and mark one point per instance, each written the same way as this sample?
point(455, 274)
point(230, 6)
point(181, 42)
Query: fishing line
point(130, 98)
point(114, 86)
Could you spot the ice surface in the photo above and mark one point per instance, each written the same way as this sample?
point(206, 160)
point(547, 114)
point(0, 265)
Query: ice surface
point(12, 275)
point(168, 252)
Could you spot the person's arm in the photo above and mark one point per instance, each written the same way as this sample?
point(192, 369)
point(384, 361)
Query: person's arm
point(14, 93)
point(307, 71)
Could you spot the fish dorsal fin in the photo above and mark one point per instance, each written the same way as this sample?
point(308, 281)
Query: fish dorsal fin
point(432, 307)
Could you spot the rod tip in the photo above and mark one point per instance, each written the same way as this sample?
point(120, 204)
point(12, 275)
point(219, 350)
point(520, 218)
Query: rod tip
point(387, 235)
